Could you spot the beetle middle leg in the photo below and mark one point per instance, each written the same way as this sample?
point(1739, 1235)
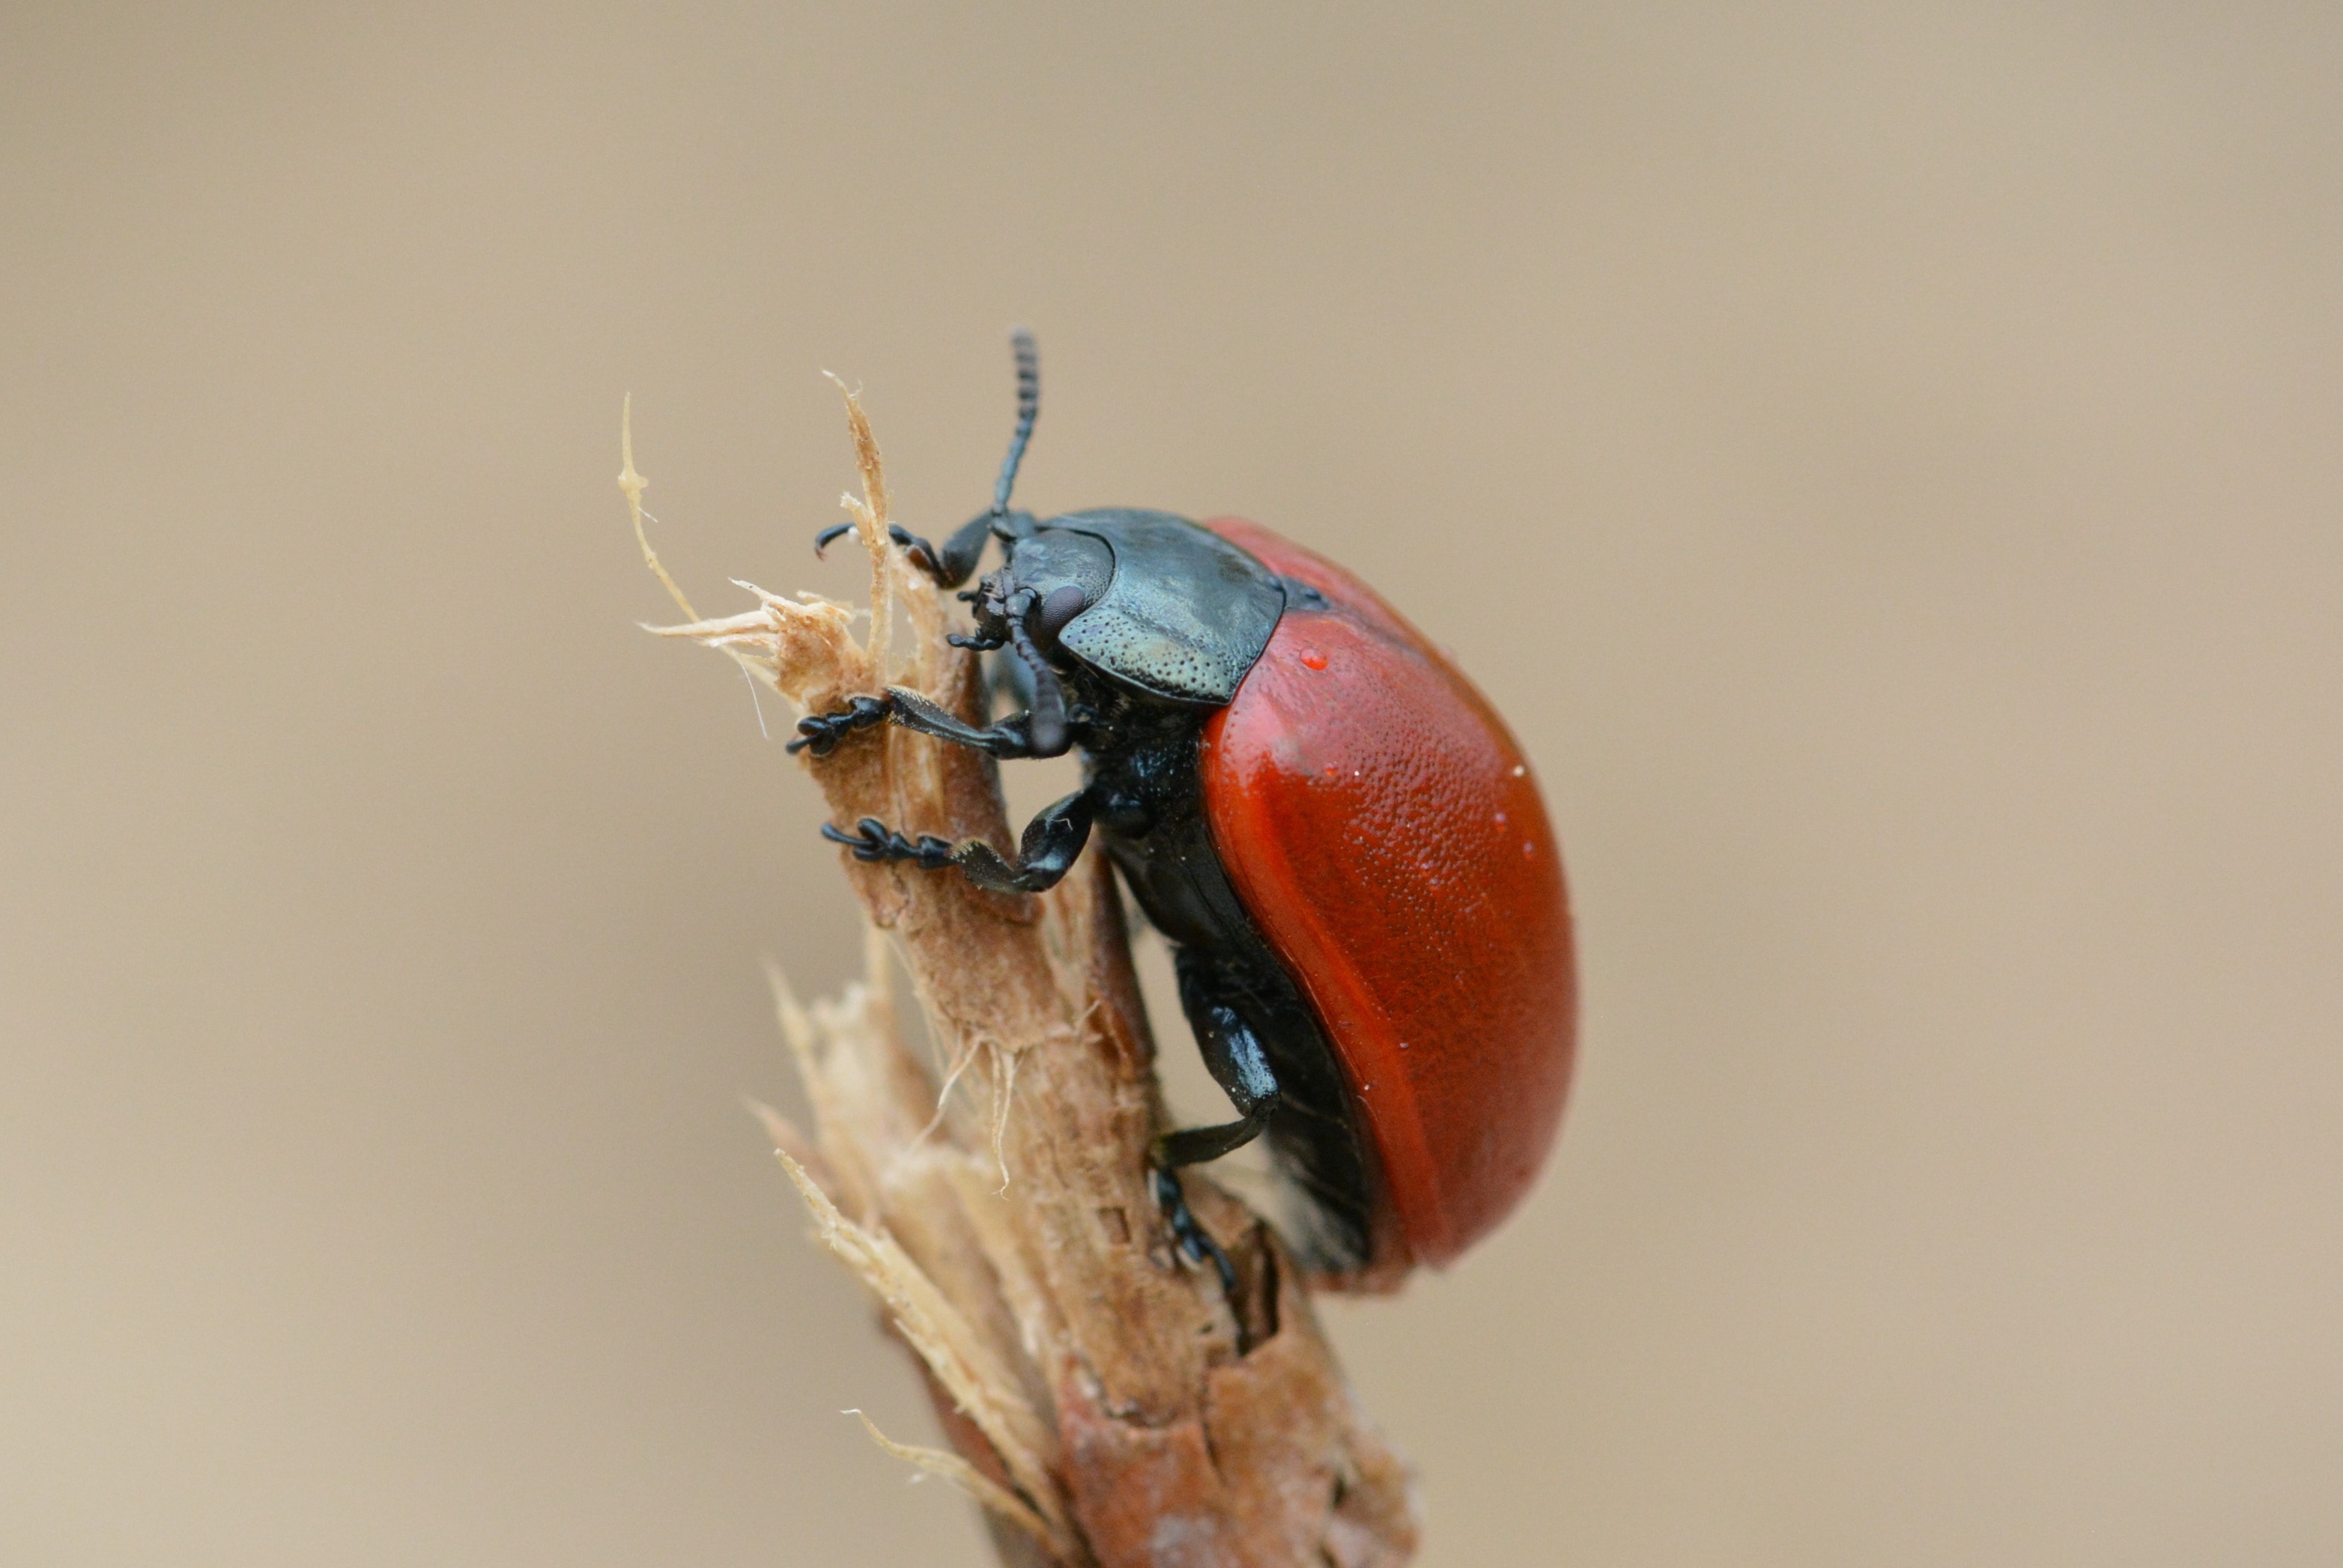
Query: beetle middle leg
point(1048, 850)
point(1009, 739)
point(821, 732)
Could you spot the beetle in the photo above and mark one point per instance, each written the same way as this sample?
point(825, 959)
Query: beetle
point(1333, 829)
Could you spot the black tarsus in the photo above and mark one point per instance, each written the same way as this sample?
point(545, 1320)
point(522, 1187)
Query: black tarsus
point(872, 841)
point(1196, 1243)
point(1010, 738)
point(951, 564)
point(1053, 842)
point(821, 732)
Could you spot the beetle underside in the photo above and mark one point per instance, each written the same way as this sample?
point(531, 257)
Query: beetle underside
point(1240, 1002)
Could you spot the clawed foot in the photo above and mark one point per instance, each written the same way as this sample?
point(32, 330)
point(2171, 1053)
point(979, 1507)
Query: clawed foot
point(1195, 1243)
point(922, 553)
point(822, 732)
point(918, 551)
point(871, 840)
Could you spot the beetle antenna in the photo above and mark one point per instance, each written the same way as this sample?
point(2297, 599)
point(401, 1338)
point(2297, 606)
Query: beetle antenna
point(1029, 407)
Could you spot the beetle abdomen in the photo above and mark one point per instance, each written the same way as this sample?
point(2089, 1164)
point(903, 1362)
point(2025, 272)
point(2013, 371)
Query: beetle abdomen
point(1382, 829)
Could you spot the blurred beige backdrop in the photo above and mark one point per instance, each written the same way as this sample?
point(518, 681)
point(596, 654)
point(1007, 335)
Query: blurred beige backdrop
point(1884, 459)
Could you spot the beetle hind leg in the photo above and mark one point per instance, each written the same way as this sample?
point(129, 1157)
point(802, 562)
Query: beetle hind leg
point(1239, 1062)
point(1196, 1244)
point(1235, 1055)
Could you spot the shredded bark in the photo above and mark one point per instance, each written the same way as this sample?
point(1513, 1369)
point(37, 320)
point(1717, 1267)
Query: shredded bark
point(996, 1204)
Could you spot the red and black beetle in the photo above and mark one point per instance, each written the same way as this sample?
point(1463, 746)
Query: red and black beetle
point(1328, 821)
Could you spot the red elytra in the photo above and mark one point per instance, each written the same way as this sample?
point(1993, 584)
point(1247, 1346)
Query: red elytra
point(1384, 830)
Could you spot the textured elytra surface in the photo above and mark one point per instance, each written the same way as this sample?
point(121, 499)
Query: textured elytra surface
point(1383, 828)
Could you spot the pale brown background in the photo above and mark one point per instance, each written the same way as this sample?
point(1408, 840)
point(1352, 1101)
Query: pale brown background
point(1885, 460)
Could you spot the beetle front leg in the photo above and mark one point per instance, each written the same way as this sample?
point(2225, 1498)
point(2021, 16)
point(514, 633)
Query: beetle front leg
point(951, 564)
point(1052, 841)
point(1010, 738)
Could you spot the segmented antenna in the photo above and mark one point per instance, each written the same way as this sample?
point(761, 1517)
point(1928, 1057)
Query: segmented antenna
point(1029, 407)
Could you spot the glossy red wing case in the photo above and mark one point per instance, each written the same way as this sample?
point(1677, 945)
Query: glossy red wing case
point(1384, 832)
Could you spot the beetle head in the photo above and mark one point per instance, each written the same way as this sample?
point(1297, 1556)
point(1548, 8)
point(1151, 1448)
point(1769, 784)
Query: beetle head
point(1052, 576)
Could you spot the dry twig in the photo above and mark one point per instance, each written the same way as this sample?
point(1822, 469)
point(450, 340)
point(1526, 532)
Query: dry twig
point(1089, 1384)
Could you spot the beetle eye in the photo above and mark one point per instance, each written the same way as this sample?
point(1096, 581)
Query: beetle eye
point(1062, 605)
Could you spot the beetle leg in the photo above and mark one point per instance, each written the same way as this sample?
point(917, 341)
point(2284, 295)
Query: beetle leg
point(1052, 841)
point(874, 840)
point(962, 548)
point(1196, 1243)
point(1010, 683)
point(1233, 1052)
point(1047, 850)
point(1010, 738)
point(951, 564)
point(1234, 1055)
point(822, 732)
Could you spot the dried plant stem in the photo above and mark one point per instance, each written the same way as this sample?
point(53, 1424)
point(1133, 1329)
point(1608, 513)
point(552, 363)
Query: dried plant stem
point(1089, 1383)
